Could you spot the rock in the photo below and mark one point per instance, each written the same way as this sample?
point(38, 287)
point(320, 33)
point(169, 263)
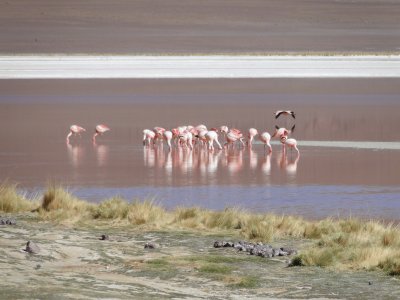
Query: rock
point(7, 221)
point(369, 282)
point(227, 244)
point(32, 248)
point(11, 222)
point(104, 237)
point(38, 266)
point(150, 246)
point(289, 251)
point(218, 244)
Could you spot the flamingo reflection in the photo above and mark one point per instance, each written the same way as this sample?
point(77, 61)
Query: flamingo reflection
point(266, 164)
point(75, 154)
point(253, 159)
point(289, 164)
point(101, 154)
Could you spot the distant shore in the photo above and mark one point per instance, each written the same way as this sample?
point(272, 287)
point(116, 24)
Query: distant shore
point(85, 66)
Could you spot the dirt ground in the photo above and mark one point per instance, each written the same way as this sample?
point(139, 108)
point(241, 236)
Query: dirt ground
point(192, 26)
point(73, 263)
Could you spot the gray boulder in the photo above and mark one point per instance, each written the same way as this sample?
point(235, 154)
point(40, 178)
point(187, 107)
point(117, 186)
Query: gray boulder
point(104, 237)
point(32, 248)
point(150, 246)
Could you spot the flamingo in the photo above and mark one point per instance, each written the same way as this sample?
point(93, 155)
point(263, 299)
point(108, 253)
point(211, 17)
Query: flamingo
point(285, 112)
point(280, 132)
point(75, 130)
point(148, 135)
point(168, 137)
point(202, 136)
point(186, 139)
point(265, 137)
point(99, 130)
point(291, 143)
point(159, 131)
point(224, 129)
point(252, 133)
point(201, 127)
point(233, 136)
point(211, 137)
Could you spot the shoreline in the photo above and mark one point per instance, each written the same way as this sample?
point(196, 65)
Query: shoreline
point(59, 67)
point(342, 244)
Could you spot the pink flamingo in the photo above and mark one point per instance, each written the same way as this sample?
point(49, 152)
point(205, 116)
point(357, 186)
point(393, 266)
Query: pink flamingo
point(282, 131)
point(224, 129)
point(201, 127)
point(100, 130)
point(185, 138)
point(291, 143)
point(265, 137)
point(75, 130)
point(148, 135)
point(168, 137)
point(211, 137)
point(159, 131)
point(233, 136)
point(252, 133)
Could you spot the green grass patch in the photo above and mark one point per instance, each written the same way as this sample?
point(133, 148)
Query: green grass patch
point(212, 268)
point(247, 282)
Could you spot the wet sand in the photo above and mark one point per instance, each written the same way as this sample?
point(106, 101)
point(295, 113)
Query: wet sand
point(339, 179)
point(63, 66)
point(217, 26)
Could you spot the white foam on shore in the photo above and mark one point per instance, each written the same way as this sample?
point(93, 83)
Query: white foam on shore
point(349, 144)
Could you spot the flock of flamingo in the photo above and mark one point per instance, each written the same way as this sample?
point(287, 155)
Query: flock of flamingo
point(190, 136)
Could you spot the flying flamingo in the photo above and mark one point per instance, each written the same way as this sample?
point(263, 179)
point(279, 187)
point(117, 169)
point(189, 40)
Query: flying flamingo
point(265, 137)
point(282, 131)
point(252, 133)
point(211, 137)
point(291, 143)
point(99, 130)
point(285, 112)
point(148, 135)
point(75, 130)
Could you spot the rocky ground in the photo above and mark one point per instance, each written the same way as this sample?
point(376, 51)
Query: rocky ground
point(122, 262)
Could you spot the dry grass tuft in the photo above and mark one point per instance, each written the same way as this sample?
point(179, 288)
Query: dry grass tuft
point(11, 201)
point(59, 204)
point(114, 208)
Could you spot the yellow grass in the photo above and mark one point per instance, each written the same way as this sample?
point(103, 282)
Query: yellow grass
point(341, 244)
point(11, 201)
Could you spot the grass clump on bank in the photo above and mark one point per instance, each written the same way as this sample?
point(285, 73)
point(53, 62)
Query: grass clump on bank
point(341, 244)
point(13, 202)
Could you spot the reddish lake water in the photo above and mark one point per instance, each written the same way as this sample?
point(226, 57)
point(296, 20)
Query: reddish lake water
point(346, 129)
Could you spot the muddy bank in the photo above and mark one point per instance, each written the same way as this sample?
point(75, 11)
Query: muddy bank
point(223, 26)
point(76, 263)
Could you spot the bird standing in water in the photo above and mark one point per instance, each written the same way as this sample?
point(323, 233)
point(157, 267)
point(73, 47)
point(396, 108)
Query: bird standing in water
point(252, 133)
point(265, 137)
point(99, 130)
point(291, 143)
point(75, 130)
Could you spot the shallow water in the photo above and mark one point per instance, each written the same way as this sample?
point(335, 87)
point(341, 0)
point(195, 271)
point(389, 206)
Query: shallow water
point(350, 151)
